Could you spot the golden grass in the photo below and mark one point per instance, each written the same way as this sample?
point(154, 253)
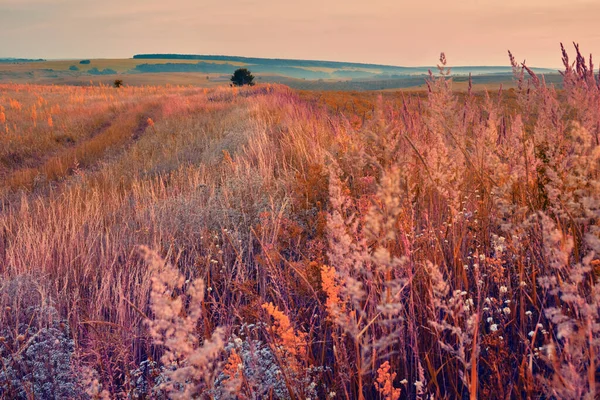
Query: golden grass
point(374, 244)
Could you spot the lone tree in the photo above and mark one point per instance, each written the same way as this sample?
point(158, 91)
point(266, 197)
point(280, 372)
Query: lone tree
point(118, 83)
point(242, 77)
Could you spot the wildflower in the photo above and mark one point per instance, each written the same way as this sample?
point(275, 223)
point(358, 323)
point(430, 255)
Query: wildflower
point(528, 313)
point(419, 386)
point(503, 289)
point(331, 288)
point(291, 341)
point(234, 366)
point(531, 333)
point(50, 122)
point(2, 117)
point(150, 122)
point(384, 383)
point(494, 327)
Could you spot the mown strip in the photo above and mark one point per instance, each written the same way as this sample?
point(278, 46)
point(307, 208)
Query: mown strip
point(121, 131)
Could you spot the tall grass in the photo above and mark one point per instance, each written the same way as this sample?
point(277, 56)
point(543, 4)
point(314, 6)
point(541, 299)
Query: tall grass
point(441, 245)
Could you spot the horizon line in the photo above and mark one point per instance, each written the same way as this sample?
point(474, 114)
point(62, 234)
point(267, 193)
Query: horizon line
point(434, 66)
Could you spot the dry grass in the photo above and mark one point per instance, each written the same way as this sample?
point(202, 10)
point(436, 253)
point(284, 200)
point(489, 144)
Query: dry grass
point(412, 245)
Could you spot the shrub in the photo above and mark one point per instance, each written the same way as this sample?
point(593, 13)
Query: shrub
point(36, 350)
point(106, 71)
point(241, 77)
point(73, 68)
point(85, 62)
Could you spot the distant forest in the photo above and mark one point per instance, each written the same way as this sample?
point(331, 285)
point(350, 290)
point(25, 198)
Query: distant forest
point(19, 60)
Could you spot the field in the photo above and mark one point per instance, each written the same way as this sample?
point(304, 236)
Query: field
point(265, 242)
point(211, 71)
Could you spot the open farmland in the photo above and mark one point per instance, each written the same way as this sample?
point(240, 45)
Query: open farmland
point(210, 71)
point(264, 242)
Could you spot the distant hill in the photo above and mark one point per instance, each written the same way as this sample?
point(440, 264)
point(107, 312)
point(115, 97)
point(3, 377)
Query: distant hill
point(19, 60)
point(209, 71)
point(226, 68)
point(344, 69)
point(267, 61)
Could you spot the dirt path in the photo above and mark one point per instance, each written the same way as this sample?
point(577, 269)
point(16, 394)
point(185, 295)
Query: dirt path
point(110, 135)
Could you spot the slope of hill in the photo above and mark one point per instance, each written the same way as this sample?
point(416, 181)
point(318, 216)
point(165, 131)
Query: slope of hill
point(208, 71)
point(335, 65)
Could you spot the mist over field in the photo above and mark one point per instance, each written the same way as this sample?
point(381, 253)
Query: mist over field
point(299, 200)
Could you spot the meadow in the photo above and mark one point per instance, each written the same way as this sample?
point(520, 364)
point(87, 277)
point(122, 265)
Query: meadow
point(268, 243)
point(211, 71)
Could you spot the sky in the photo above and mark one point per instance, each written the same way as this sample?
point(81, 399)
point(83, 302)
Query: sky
point(395, 32)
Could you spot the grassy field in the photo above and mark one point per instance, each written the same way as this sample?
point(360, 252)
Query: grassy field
point(120, 65)
point(265, 242)
point(298, 74)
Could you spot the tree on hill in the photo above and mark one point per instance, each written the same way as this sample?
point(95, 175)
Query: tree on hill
point(242, 76)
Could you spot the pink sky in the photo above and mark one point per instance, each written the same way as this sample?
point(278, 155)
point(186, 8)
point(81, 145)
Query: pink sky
point(398, 32)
